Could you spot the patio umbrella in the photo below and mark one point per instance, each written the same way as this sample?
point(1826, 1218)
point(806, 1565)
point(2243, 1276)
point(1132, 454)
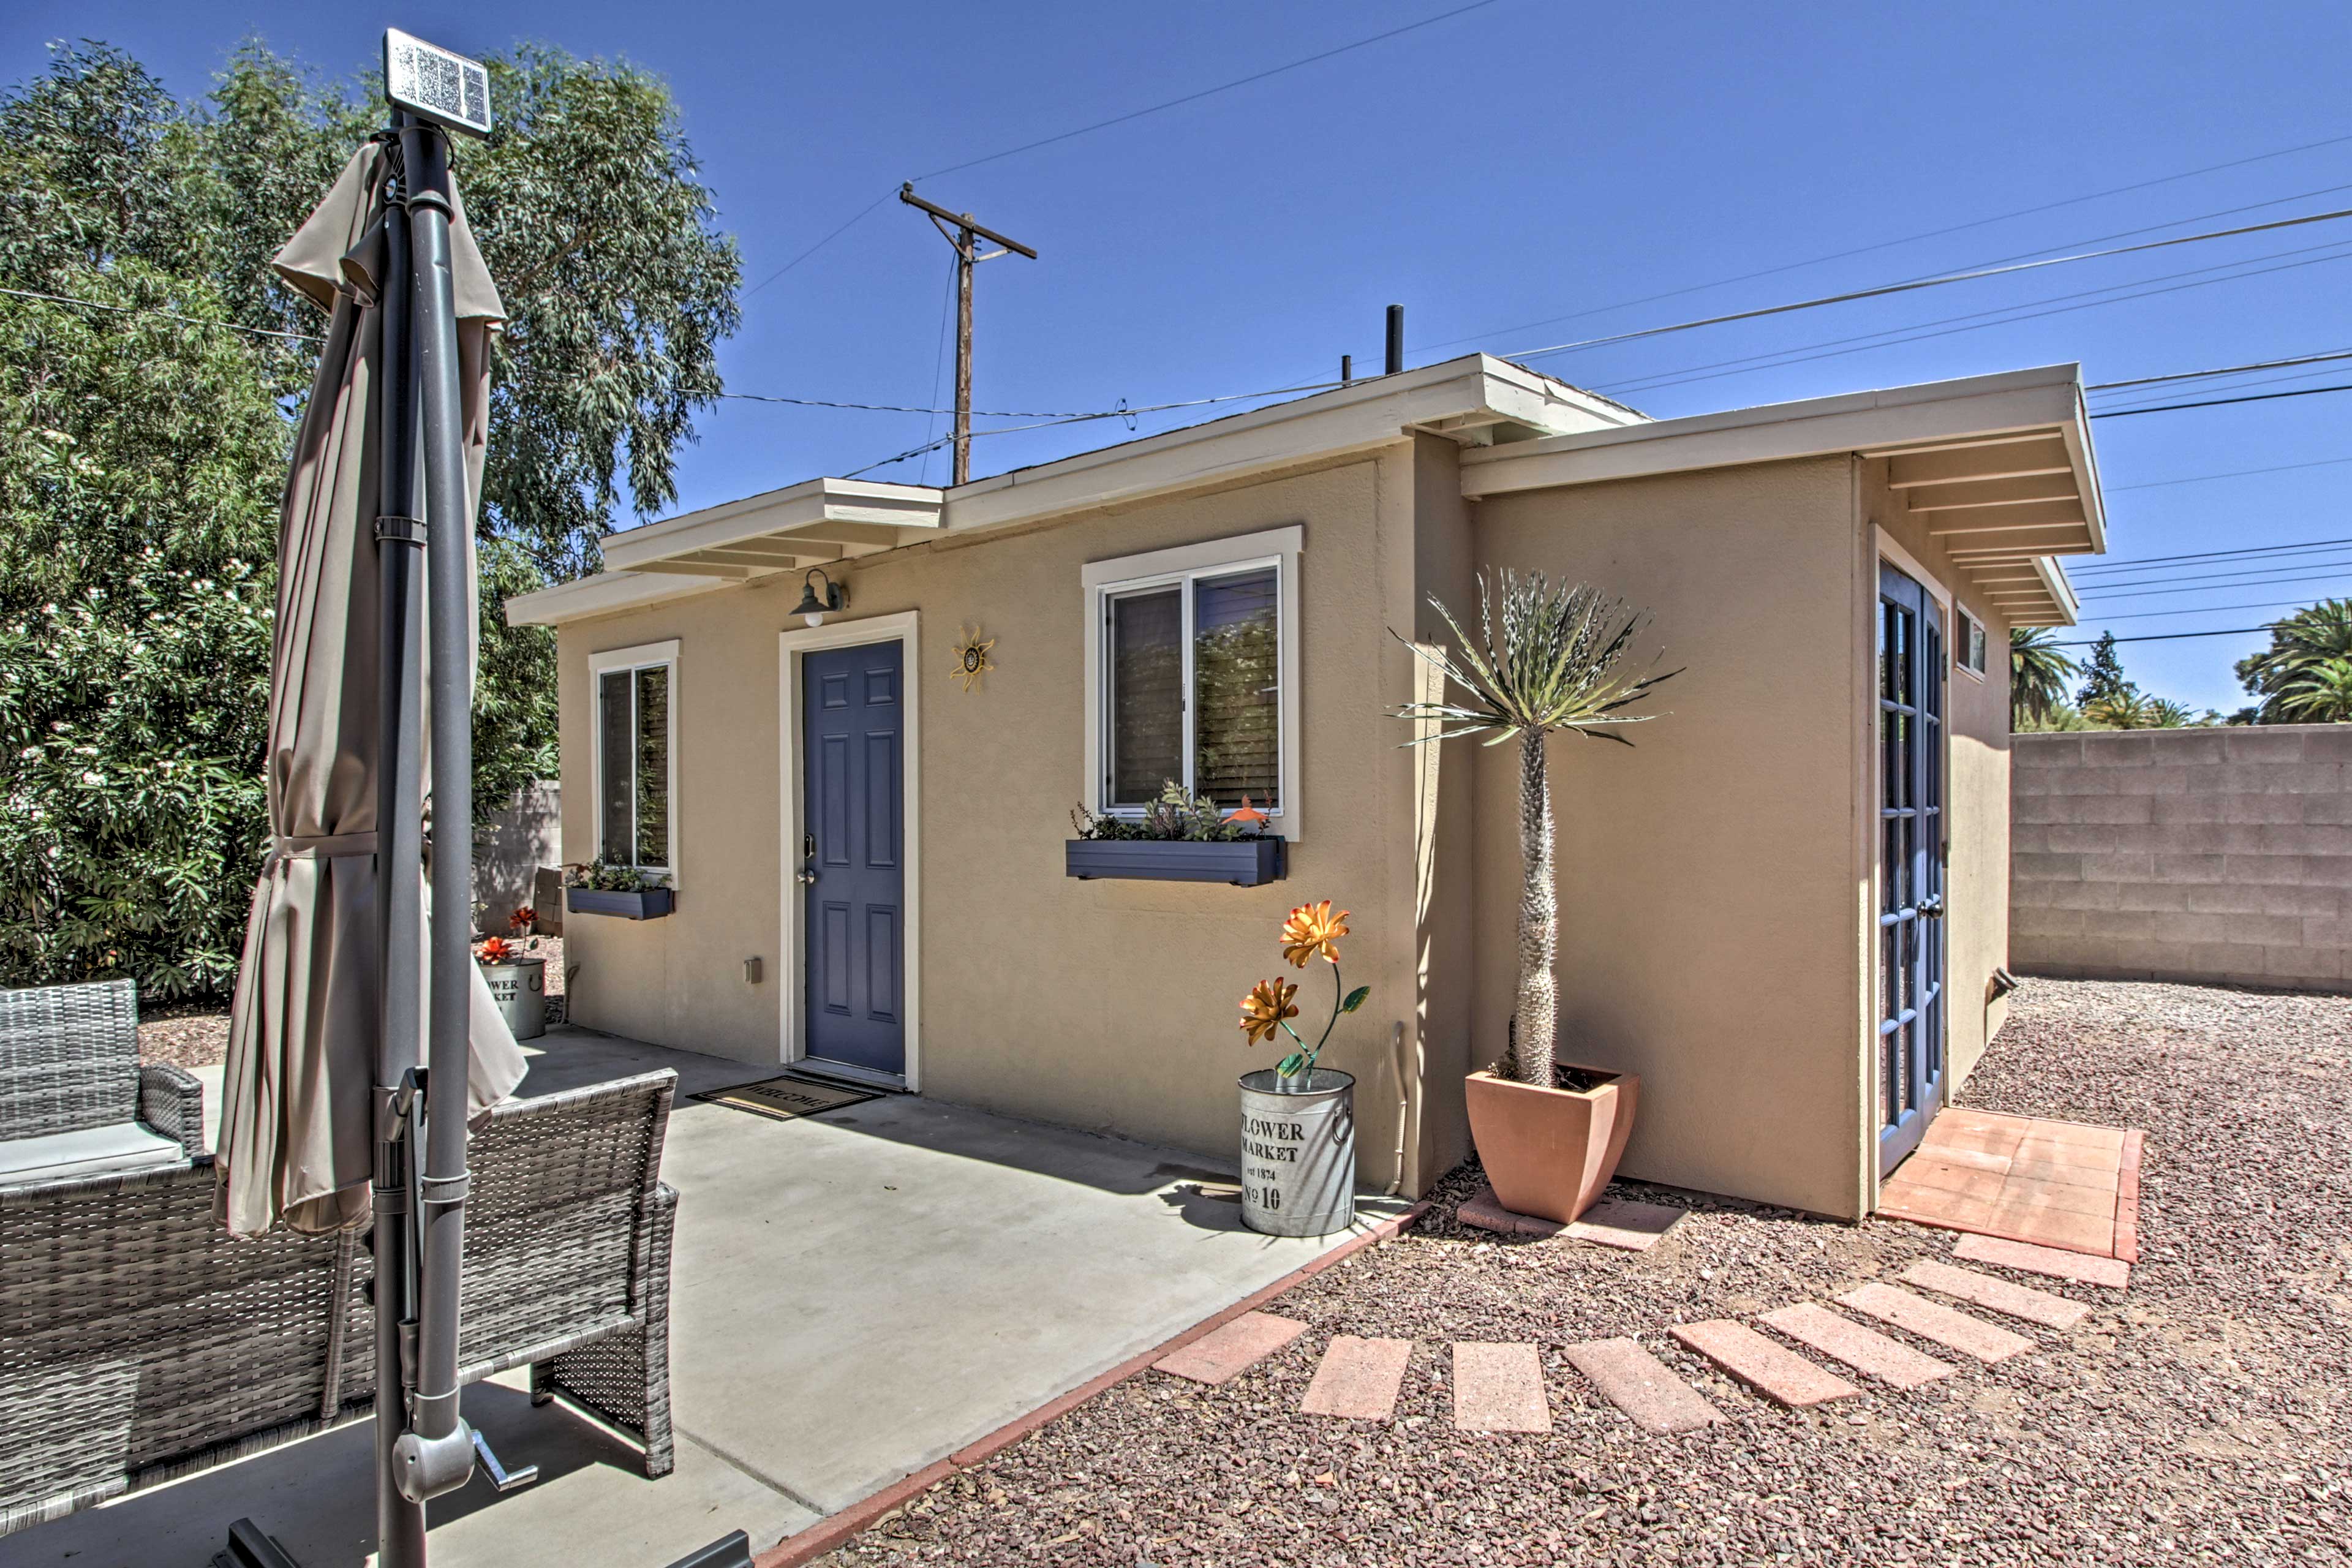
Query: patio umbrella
point(297, 1126)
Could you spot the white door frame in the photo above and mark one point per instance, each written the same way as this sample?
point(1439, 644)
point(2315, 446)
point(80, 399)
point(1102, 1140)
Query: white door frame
point(905, 629)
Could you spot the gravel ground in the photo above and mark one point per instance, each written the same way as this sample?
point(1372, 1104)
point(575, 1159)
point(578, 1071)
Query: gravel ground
point(2201, 1415)
point(197, 1037)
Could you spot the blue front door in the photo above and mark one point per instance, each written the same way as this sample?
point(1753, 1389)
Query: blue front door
point(853, 700)
point(1911, 852)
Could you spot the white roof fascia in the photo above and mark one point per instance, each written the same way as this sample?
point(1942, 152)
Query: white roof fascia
point(604, 593)
point(776, 511)
point(1371, 414)
point(2061, 591)
point(1976, 406)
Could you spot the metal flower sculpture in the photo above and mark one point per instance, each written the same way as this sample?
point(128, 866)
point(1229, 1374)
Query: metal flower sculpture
point(1312, 930)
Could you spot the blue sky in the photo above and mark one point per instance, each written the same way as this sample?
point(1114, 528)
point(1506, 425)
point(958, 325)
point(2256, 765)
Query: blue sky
point(1495, 173)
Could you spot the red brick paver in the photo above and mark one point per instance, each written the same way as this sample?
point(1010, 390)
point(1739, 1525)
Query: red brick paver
point(1486, 1212)
point(1865, 1349)
point(1641, 1385)
point(1240, 1345)
point(1774, 1371)
point(1928, 1320)
point(2112, 1273)
point(1358, 1378)
point(2017, 1301)
point(1499, 1388)
point(1622, 1222)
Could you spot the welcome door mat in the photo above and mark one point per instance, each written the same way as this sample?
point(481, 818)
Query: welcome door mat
point(782, 1098)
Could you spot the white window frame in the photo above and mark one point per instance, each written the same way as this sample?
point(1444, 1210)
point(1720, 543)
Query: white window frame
point(1963, 616)
point(615, 661)
point(1102, 581)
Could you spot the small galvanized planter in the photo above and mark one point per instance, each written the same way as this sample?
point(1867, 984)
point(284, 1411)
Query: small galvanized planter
point(649, 903)
point(1298, 1152)
point(519, 989)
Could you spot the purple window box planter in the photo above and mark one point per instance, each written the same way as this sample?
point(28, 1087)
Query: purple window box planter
point(1244, 862)
point(649, 904)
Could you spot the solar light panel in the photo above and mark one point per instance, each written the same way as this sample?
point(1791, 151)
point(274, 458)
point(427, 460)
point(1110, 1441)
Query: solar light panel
point(426, 79)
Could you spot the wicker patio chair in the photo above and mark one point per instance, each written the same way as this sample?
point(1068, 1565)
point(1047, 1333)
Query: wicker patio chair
point(139, 1342)
point(75, 1100)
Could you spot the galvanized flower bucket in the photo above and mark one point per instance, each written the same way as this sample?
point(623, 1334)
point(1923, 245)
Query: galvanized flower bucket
point(1298, 1152)
point(519, 989)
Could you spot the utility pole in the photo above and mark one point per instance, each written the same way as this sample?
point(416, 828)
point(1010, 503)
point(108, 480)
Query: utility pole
point(965, 238)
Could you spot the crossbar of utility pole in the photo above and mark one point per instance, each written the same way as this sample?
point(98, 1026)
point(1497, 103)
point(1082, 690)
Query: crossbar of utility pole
point(965, 239)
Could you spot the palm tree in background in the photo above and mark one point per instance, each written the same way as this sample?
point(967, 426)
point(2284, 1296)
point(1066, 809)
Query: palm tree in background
point(2039, 674)
point(2302, 641)
point(1546, 660)
point(2320, 693)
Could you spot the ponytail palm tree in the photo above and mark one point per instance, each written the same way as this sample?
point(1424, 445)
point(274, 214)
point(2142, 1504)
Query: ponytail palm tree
point(1546, 659)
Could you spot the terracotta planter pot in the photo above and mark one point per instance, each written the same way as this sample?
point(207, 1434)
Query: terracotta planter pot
point(1549, 1153)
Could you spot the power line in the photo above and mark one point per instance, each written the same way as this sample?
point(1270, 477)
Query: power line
point(2211, 587)
point(2231, 574)
point(1210, 91)
point(159, 311)
point(2233, 474)
point(2205, 610)
point(2226, 370)
point(1890, 244)
point(1937, 281)
point(2217, 402)
point(2000, 316)
point(910, 408)
point(2162, 636)
point(2129, 564)
point(820, 245)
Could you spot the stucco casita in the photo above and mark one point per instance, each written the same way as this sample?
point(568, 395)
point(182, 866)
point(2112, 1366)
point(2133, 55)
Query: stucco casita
point(1715, 881)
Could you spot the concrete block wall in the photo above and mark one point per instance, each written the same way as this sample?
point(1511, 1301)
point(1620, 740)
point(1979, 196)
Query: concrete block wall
point(2216, 854)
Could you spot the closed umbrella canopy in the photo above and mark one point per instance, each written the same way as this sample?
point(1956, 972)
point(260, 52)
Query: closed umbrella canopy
point(297, 1128)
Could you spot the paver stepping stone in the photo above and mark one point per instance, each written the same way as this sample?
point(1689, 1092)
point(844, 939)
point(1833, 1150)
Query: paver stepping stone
point(1499, 1388)
point(1641, 1385)
point(2017, 1301)
point(1772, 1370)
point(1358, 1378)
point(1224, 1351)
point(2112, 1273)
point(1865, 1349)
point(1485, 1211)
point(1930, 1320)
point(1622, 1223)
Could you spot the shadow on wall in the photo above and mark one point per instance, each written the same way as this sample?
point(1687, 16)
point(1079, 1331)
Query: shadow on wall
point(510, 847)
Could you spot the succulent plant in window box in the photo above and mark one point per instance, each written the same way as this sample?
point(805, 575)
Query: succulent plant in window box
point(1178, 838)
point(609, 888)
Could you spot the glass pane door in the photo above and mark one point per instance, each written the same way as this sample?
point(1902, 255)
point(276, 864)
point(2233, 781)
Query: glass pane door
point(1910, 864)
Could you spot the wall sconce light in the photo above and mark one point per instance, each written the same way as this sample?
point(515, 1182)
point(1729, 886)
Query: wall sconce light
point(812, 609)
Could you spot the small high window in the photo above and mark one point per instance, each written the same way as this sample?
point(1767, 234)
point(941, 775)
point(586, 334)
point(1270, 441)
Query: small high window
point(1192, 677)
point(1969, 641)
point(636, 774)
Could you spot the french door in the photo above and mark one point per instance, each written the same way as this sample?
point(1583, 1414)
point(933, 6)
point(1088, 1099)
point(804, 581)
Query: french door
point(1910, 864)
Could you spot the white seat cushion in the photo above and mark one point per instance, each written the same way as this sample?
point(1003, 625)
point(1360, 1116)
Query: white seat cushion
point(91, 1151)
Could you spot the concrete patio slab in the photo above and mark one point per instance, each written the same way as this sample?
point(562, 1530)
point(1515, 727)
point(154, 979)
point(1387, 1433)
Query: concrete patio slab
point(854, 1295)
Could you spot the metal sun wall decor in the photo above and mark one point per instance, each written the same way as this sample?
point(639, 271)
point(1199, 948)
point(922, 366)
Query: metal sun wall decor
point(972, 660)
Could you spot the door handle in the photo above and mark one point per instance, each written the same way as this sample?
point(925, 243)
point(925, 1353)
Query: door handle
point(1932, 909)
point(805, 877)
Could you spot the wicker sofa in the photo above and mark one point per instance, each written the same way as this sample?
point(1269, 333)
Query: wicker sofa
point(140, 1342)
point(74, 1099)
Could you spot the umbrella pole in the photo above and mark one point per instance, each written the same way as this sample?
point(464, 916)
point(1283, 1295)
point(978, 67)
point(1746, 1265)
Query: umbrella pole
point(400, 785)
point(435, 1454)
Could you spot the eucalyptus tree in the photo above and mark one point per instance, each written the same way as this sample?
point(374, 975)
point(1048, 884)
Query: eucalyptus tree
point(1548, 659)
point(2039, 674)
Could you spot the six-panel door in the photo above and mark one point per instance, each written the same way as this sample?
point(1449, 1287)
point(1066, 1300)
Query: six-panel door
point(853, 703)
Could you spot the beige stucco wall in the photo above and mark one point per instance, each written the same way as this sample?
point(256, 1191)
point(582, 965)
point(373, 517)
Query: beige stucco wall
point(1096, 1004)
point(1707, 876)
point(1977, 711)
